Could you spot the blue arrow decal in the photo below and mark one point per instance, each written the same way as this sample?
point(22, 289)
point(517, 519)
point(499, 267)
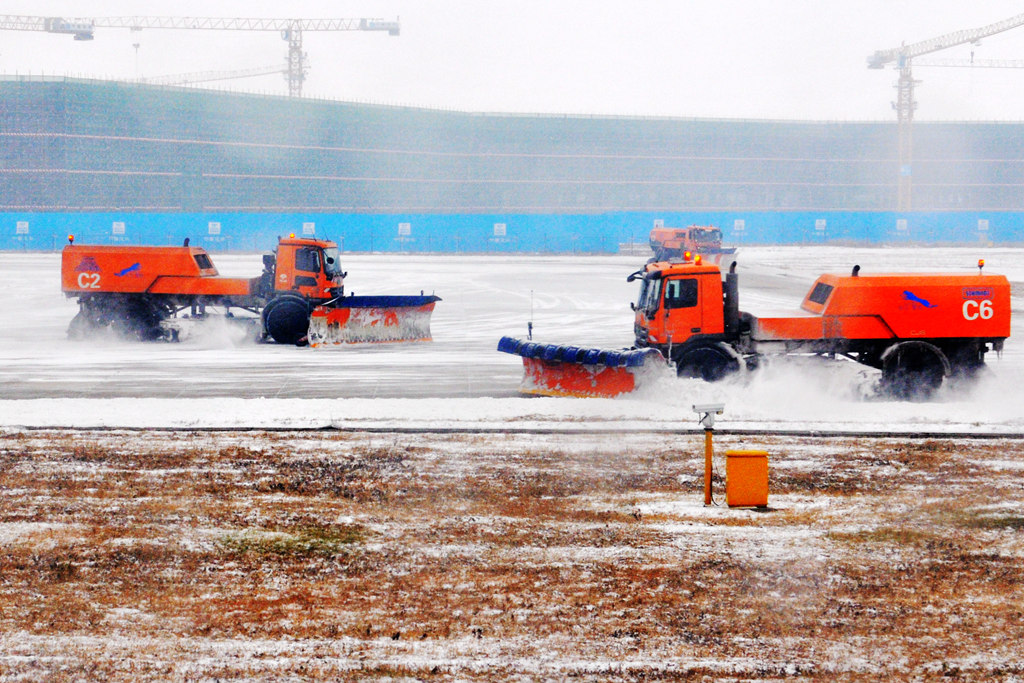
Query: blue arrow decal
point(910, 296)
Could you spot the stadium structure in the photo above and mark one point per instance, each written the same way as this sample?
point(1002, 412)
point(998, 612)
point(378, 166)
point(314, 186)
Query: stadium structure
point(114, 161)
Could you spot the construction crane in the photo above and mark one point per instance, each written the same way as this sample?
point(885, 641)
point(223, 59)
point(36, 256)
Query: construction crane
point(289, 29)
point(209, 76)
point(905, 105)
point(973, 63)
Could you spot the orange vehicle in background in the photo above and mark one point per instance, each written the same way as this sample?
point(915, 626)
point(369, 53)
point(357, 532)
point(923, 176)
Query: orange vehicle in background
point(139, 292)
point(918, 329)
point(670, 244)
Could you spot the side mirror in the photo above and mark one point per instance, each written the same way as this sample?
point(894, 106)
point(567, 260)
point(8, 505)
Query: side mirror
point(632, 306)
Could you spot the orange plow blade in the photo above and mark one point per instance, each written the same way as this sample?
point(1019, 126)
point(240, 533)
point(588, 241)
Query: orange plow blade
point(553, 370)
point(370, 319)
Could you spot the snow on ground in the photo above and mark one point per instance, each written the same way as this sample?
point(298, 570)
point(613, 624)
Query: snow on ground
point(218, 379)
point(326, 556)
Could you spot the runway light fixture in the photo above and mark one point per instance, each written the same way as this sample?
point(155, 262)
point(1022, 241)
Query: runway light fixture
point(707, 411)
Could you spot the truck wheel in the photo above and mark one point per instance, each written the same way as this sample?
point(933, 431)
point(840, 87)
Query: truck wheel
point(137, 319)
point(128, 317)
point(711, 362)
point(913, 371)
point(967, 361)
point(82, 326)
point(286, 318)
point(94, 316)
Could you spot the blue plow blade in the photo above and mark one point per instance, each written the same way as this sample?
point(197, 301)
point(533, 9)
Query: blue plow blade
point(564, 370)
point(613, 358)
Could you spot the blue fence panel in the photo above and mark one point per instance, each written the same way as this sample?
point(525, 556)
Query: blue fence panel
point(555, 233)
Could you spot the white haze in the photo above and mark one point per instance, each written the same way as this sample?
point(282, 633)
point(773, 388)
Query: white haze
point(793, 59)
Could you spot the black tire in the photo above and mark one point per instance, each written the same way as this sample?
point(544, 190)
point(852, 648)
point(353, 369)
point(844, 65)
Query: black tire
point(286, 319)
point(913, 371)
point(710, 363)
point(130, 317)
point(138, 319)
point(82, 326)
point(967, 361)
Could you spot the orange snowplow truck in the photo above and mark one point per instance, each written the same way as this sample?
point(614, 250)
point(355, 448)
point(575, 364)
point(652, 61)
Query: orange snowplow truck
point(669, 244)
point(917, 329)
point(138, 290)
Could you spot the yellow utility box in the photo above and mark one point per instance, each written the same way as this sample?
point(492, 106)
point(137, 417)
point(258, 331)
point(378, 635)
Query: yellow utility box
point(746, 479)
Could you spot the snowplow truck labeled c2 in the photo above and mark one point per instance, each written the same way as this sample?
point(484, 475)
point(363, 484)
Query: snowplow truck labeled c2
point(139, 292)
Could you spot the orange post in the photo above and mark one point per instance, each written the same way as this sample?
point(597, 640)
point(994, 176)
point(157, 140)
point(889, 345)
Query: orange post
point(707, 411)
point(707, 466)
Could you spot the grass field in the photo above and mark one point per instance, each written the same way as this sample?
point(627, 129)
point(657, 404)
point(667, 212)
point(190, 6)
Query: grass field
point(324, 555)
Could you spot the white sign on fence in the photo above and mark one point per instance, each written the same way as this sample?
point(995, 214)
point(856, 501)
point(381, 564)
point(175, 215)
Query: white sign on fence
point(117, 228)
point(213, 228)
point(819, 224)
point(500, 229)
point(21, 228)
point(982, 225)
point(404, 229)
point(739, 225)
point(309, 228)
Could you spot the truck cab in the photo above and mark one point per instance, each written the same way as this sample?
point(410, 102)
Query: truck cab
point(690, 316)
point(678, 304)
point(307, 267)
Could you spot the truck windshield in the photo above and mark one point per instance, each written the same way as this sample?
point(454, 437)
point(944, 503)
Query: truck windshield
point(650, 292)
point(332, 263)
point(707, 236)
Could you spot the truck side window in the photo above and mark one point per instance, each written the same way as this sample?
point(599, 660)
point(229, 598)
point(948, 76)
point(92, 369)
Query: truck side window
point(308, 260)
point(680, 293)
point(820, 293)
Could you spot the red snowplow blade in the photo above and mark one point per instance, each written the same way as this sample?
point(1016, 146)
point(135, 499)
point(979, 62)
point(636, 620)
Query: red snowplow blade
point(371, 319)
point(553, 370)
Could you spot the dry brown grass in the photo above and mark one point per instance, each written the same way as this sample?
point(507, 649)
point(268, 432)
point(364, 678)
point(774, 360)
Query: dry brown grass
point(345, 556)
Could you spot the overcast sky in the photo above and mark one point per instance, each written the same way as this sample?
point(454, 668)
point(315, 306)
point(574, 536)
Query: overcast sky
point(782, 59)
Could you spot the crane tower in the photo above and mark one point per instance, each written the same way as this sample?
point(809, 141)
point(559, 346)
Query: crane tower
point(905, 105)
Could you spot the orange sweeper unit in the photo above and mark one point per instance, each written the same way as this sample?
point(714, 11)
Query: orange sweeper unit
point(670, 244)
point(918, 329)
point(299, 298)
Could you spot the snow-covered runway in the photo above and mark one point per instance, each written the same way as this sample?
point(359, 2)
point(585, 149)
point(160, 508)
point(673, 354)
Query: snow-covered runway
point(220, 380)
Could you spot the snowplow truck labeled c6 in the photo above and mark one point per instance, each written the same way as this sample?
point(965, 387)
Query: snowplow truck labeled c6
point(138, 291)
point(917, 328)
